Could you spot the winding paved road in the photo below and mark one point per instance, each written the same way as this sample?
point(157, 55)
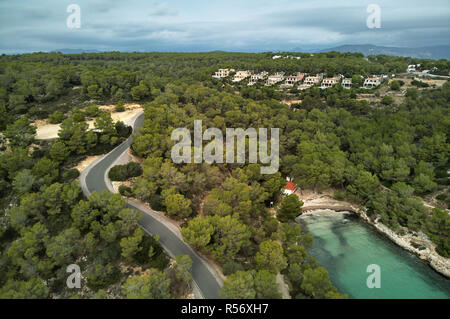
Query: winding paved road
point(94, 178)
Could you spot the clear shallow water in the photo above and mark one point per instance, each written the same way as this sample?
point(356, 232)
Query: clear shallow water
point(345, 246)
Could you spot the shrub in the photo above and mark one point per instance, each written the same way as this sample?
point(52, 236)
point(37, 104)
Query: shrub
point(230, 267)
point(78, 116)
point(419, 84)
point(412, 93)
point(290, 207)
point(395, 85)
point(151, 254)
point(56, 117)
point(118, 173)
point(120, 107)
point(124, 172)
point(101, 276)
point(441, 172)
point(156, 202)
point(339, 195)
point(122, 130)
point(92, 110)
point(387, 100)
point(125, 190)
point(70, 175)
point(134, 169)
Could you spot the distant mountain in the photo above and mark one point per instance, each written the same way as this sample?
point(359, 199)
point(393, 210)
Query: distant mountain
point(75, 51)
point(432, 52)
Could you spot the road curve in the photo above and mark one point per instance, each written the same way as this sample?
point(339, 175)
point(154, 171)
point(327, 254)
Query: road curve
point(93, 178)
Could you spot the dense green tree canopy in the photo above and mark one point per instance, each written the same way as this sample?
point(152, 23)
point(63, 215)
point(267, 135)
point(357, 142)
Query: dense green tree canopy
point(155, 285)
point(385, 153)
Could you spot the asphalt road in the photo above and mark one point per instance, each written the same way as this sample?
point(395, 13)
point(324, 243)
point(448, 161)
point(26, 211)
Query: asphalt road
point(203, 275)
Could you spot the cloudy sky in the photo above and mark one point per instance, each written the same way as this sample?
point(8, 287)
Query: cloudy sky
point(231, 25)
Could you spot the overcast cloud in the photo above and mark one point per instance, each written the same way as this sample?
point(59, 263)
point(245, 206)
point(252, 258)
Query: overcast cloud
point(231, 25)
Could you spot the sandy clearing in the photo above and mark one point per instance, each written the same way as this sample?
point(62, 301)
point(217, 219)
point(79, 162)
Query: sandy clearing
point(408, 84)
point(325, 197)
point(290, 102)
point(110, 107)
point(398, 95)
point(125, 116)
point(45, 131)
point(324, 201)
point(438, 83)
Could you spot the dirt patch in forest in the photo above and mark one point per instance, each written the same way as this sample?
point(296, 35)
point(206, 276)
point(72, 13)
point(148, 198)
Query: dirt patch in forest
point(290, 102)
point(399, 96)
point(431, 82)
point(324, 198)
point(110, 107)
point(45, 130)
point(408, 84)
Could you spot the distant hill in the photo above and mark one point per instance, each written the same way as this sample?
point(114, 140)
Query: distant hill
point(75, 51)
point(432, 52)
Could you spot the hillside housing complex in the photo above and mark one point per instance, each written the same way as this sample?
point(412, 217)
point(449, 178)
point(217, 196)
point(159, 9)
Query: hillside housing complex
point(302, 80)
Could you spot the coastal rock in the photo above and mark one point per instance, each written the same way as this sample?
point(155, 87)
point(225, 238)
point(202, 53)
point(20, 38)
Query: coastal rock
point(427, 253)
point(417, 243)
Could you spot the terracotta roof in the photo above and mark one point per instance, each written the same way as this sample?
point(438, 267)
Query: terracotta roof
point(290, 186)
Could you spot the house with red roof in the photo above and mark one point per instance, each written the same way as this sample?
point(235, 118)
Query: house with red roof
point(290, 186)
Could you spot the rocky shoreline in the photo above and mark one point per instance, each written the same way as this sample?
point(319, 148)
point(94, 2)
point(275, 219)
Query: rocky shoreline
point(416, 243)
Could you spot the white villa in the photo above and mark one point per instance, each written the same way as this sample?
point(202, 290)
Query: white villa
point(257, 77)
point(371, 82)
point(308, 81)
point(292, 79)
point(329, 82)
point(311, 80)
point(347, 83)
point(275, 78)
point(412, 68)
point(222, 73)
point(240, 75)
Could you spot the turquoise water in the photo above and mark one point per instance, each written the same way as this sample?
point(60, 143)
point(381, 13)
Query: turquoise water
point(345, 246)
